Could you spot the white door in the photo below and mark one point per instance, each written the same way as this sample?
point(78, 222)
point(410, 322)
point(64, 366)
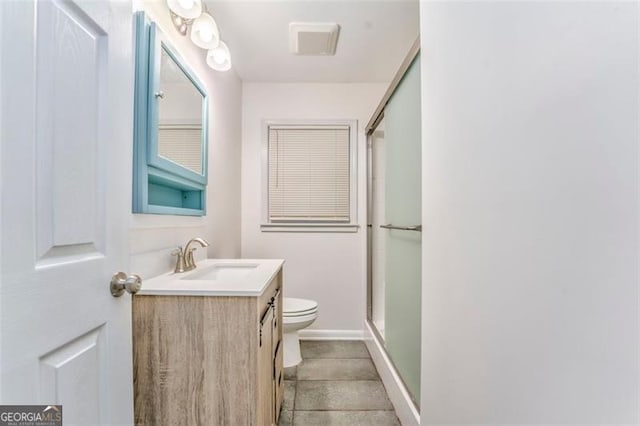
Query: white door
point(65, 133)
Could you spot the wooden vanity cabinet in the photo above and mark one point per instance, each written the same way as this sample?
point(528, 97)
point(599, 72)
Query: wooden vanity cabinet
point(208, 360)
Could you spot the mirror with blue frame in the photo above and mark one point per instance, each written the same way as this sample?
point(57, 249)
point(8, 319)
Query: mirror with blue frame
point(171, 128)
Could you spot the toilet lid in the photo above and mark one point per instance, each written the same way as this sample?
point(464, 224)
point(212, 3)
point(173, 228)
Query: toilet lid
point(296, 307)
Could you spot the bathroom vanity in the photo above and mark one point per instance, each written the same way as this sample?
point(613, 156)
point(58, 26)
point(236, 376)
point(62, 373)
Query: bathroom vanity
point(207, 345)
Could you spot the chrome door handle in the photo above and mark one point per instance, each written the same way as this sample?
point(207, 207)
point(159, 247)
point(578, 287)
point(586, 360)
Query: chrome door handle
point(159, 95)
point(121, 282)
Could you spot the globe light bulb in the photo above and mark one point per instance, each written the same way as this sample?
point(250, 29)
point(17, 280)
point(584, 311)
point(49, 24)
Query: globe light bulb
point(187, 9)
point(186, 4)
point(204, 32)
point(219, 58)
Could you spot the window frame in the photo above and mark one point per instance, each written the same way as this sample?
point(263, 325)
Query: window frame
point(311, 226)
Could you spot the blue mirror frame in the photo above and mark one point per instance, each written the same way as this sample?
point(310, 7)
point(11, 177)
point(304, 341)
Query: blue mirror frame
point(161, 186)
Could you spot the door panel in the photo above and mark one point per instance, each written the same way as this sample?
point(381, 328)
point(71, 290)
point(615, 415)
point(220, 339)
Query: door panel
point(71, 56)
point(265, 369)
point(402, 249)
point(378, 235)
point(71, 52)
point(77, 365)
point(66, 110)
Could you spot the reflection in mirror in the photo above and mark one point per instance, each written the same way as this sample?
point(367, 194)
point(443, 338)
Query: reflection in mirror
point(179, 116)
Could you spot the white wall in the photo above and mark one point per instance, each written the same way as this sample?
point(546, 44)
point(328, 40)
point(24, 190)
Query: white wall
point(328, 268)
point(152, 237)
point(530, 206)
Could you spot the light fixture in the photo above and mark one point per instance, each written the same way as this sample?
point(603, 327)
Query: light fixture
point(193, 14)
point(187, 9)
point(219, 58)
point(204, 32)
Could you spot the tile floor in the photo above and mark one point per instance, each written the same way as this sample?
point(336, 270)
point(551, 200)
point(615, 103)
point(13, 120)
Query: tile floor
point(336, 384)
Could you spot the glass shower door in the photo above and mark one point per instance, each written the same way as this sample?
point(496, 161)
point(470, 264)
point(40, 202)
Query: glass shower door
point(402, 214)
point(377, 234)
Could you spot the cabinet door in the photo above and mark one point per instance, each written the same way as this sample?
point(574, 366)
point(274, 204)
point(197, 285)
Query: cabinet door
point(265, 369)
point(278, 383)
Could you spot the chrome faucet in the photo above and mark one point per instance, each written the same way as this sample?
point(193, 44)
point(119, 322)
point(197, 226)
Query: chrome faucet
point(185, 261)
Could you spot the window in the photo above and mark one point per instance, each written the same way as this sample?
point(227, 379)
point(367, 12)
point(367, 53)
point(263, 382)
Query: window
point(310, 176)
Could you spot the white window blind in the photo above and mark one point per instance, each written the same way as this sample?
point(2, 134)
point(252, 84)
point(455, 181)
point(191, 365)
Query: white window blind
point(309, 169)
point(181, 144)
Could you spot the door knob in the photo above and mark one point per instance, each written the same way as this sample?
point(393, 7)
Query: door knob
point(121, 282)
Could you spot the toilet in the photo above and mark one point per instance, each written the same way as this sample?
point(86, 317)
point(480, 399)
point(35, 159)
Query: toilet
point(296, 315)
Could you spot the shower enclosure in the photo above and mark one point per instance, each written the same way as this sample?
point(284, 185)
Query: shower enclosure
point(394, 224)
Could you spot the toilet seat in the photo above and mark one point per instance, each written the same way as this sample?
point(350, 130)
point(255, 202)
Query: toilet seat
point(297, 314)
point(293, 307)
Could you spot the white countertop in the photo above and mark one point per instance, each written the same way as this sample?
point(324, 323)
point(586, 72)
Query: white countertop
point(256, 275)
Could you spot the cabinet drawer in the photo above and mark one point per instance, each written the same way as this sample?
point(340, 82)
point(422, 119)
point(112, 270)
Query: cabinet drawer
point(269, 295)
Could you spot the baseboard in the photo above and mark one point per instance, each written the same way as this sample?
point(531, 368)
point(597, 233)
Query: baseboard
point(405, 410)
point(307, 334)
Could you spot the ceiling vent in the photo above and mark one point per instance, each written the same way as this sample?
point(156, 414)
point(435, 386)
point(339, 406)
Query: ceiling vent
point(313, 38)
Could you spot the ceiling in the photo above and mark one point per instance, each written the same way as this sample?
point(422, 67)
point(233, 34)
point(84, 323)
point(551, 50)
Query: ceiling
point(374, 38)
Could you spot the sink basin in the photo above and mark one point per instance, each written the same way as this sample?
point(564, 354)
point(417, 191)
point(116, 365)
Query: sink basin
point(219, 272)
point(216, 277)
